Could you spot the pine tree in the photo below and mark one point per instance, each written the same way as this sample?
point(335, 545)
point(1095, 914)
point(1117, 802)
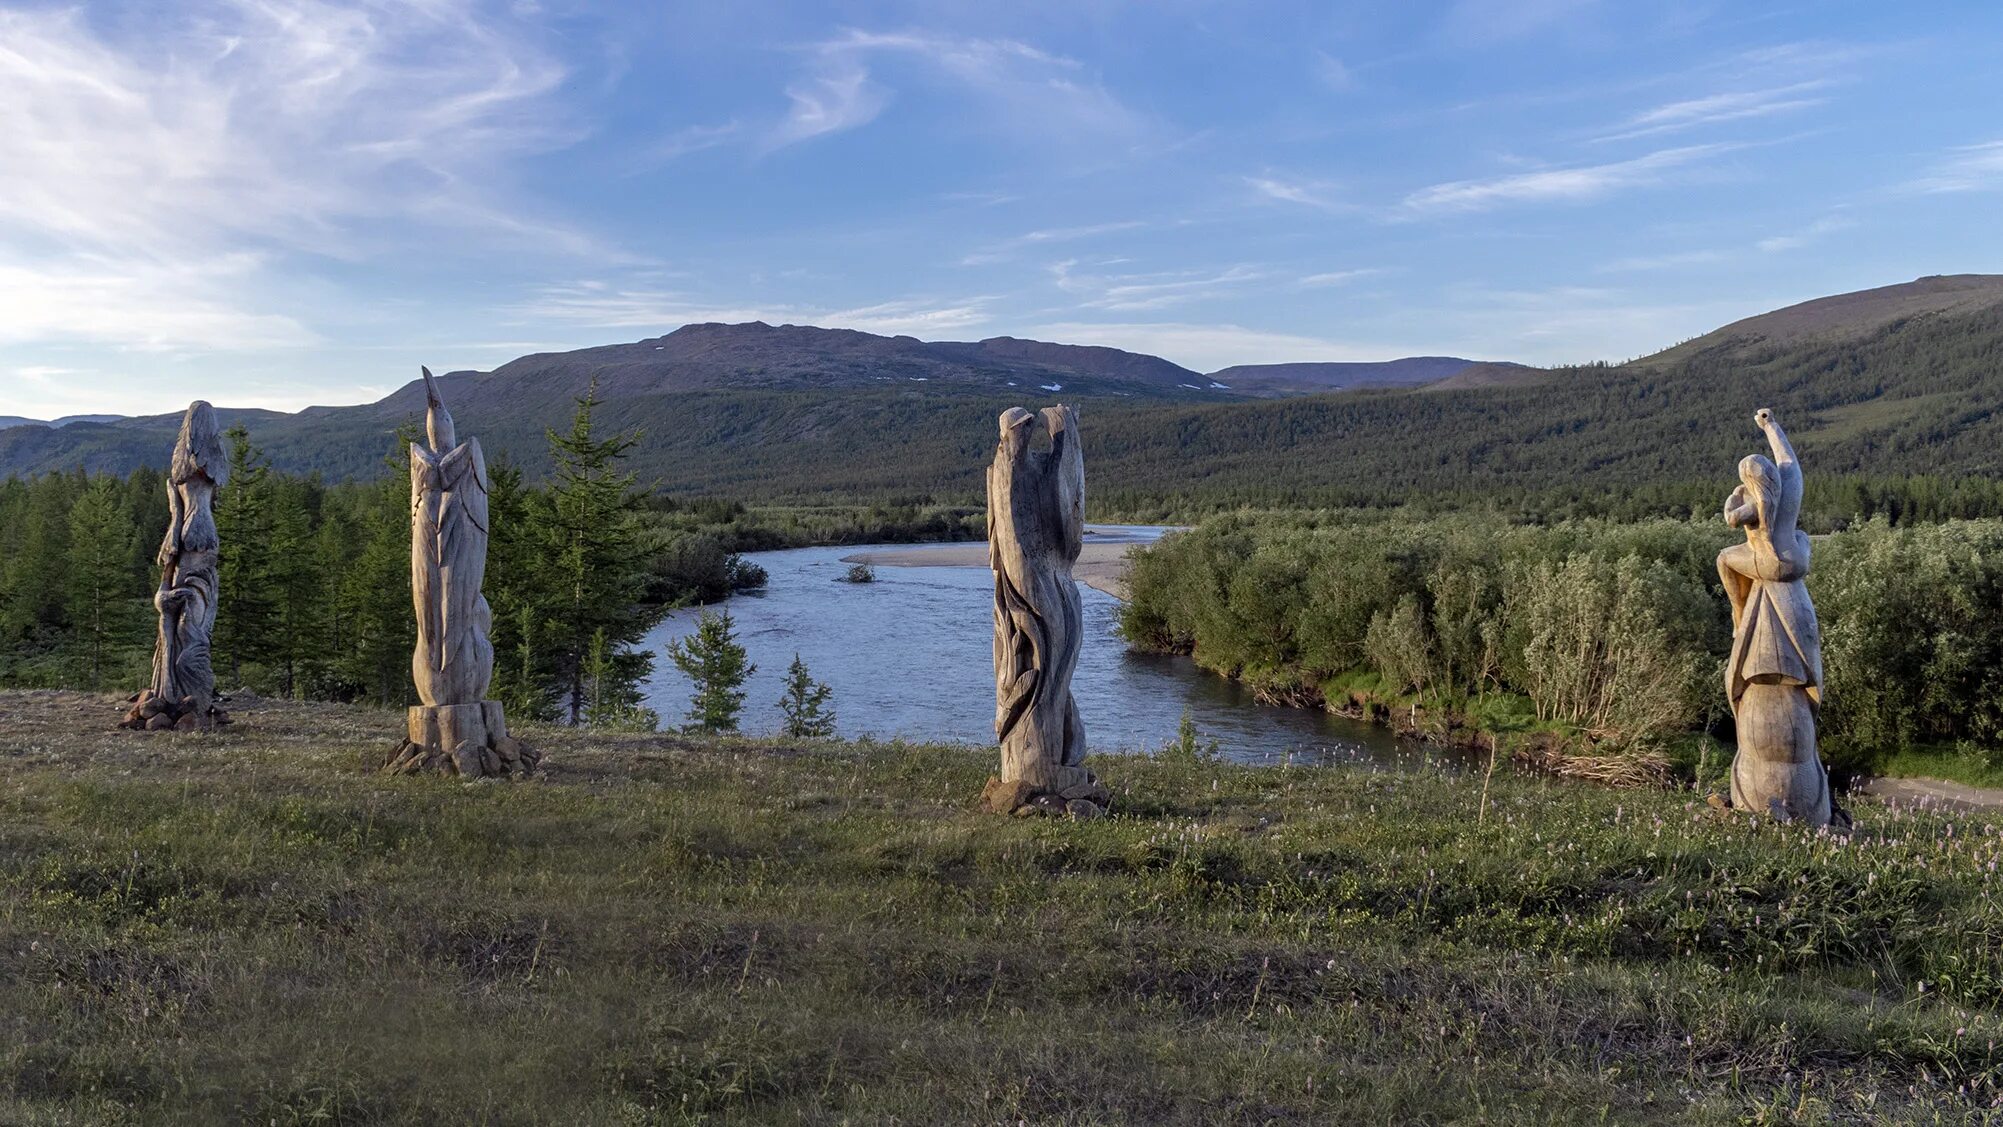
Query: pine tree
point(247, 607)
point(103, 591)
point(805, 704)
point(719, 667)
point(597, 564)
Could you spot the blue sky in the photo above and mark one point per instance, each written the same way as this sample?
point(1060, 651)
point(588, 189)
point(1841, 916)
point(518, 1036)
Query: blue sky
point(279, 203)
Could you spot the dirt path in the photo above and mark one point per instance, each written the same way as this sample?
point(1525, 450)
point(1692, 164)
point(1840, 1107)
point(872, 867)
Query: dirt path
point(1933, 792)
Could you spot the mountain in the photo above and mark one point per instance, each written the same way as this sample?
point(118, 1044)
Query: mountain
point(757, 356)
point(1846, 316)
point(1272, 380)
point(17, 421)
point(1900, 381)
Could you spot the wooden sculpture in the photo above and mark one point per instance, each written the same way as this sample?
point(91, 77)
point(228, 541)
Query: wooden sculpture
point(1773, 677)
point(456, 730)
point(182, 695)
point(1036, 522)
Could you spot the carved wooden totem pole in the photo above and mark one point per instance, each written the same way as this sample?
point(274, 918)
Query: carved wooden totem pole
point(1774, 675)
point(456, 731)
point(1036, 522)
point(183, 692)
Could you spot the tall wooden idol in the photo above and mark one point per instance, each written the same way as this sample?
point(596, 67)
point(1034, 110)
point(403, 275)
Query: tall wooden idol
point(182, 695)
point(456, 730)
point(1036, 525)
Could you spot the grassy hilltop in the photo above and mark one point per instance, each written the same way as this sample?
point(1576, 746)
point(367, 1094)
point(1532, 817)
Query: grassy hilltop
point(248, 927)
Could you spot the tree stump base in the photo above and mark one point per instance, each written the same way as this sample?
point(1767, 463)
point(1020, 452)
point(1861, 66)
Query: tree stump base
point(150, 713)
point(470, 741)
point(1073, 792)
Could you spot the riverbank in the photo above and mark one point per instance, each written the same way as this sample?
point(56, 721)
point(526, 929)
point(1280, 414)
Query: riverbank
point(249, 926)
point(1102, 567)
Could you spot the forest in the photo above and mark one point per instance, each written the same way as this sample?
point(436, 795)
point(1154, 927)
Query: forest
point(316, 575)
point(1611, 635)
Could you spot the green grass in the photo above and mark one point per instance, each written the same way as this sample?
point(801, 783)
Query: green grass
point(1972, 766)
point(248, 927)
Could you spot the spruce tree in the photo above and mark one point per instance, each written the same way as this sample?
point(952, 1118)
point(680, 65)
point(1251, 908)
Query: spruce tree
point(596, 563)
point(247, 606)
point(104, 592)
point(805, 704)
point(719, 666)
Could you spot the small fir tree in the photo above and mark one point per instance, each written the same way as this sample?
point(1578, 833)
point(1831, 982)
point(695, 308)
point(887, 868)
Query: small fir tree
point(103, 591)
point(805, 704)
point(719, 667)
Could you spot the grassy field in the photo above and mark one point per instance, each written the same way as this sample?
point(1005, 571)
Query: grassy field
point(249, 927)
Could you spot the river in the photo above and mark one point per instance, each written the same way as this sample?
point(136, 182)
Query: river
point(910, 656)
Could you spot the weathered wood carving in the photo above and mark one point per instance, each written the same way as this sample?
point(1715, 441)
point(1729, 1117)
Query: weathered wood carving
point(182, 695)
point(1036, 523)
point(1773, 677)
point(456, 731)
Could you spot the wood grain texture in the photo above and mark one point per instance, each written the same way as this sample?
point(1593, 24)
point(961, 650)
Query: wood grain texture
point(183, 689)
point(1773, 676)
point(456, 730)
point(1036, 525)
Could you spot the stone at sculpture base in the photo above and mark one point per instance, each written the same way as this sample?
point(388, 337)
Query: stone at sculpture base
point(150, 713)
point(468, 740)
point(1075, 792)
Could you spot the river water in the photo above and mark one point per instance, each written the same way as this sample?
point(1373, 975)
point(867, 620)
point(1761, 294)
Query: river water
point(910, 656)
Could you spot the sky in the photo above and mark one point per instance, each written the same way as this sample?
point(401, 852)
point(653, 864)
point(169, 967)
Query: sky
point(277, 203)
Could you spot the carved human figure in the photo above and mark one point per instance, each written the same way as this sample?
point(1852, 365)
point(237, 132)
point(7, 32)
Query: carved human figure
point(1773, 677)
point(183, 691)
point(1036, 525)
point(456, 730)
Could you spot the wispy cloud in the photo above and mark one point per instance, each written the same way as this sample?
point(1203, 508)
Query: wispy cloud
point(1795, 240)
point(1970, 168)
point(1307, 193)
point(1486, 23)
point(839, 97)
point(1561, 185)
point(1717, 109)
point(1010, 248)
point(1209, 347)
point(152, 174)
point(1338, 277)
point(1672, 260)
point(600, 305)
point(1130, 293)
point(1028, 90)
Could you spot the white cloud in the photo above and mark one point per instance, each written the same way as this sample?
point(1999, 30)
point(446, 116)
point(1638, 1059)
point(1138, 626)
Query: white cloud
point(1135, 292)
point(1338, 277)
point(1306, 193)
point(1805, 236)
point(1669, 261)
point(1717, 109)
point(155, 169)
point(597, 305)
point(1029, 91)
point(1207, 348)
point(1970, 168)
point(840, 97)
point(1558, 184)
point(1009, 248)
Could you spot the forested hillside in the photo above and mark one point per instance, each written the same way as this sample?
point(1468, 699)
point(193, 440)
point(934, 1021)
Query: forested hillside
point(1915, 396)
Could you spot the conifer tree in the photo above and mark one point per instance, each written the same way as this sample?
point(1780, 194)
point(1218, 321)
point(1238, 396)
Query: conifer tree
point(596, 562)
point(245, 601)
point(719, 666)
point(805, 704)
point(103, 590)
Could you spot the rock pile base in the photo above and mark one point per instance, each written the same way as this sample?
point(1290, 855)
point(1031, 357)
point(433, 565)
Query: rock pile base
point(1074, 793)
point(467, 740)
point(150, 713)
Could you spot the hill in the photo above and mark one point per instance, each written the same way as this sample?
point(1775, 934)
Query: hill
point(17, 421)
point(1272, 380)
point(1848, 316)
point(743, 411)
